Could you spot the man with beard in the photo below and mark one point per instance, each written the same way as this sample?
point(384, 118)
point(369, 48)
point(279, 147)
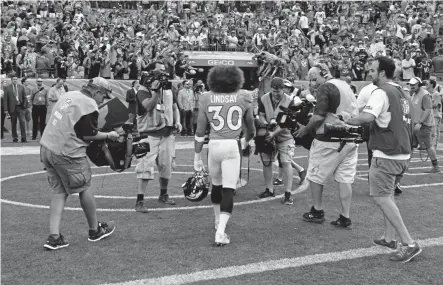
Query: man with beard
point(389, 112)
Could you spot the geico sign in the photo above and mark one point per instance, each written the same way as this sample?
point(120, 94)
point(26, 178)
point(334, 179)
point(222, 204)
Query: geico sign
point(220, 62)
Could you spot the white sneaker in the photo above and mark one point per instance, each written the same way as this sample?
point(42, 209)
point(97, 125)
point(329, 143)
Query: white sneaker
point(222, 239)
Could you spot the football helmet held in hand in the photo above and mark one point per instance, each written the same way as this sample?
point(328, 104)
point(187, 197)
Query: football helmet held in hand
point(196, 188)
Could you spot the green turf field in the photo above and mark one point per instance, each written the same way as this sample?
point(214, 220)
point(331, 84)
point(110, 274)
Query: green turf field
point(270, 244)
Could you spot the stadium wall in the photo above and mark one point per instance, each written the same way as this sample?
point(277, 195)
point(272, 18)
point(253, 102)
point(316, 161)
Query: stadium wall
point(119, 87)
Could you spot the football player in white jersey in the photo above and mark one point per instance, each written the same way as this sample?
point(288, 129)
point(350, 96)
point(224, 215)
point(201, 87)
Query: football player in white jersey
point(225, 109)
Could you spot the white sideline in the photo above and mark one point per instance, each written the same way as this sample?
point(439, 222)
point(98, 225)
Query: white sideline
point(271, 265)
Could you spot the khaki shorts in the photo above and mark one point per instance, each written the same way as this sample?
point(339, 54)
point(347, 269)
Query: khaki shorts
point(161, 152)
point(285, 151)
point(423, 136)
point(325, 160)
point(66, 174)
point(384, 174)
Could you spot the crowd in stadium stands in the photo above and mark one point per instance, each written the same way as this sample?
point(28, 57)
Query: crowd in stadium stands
point(85, 39)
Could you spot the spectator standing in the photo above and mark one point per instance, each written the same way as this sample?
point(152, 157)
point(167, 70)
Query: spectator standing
point(39, 99)
point(185, 101)
point(132, 102)
point(437, 102)
point(28, 110)
point(53, 96)
point(408, 65)
point(16, 104)
point(423, 120)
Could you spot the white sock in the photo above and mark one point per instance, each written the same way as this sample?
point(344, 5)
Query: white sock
point(224, 218)
point(216, 208)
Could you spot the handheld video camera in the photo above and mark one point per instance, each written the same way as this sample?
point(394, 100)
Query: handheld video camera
point(298, 113)
point(344, 134)
point(155, 80)
point(118, 154)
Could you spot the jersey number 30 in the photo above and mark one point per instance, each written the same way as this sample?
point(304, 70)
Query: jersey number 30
point(221, 121)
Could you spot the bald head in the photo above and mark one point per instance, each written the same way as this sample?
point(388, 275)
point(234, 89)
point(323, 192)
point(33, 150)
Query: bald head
point(318, 75)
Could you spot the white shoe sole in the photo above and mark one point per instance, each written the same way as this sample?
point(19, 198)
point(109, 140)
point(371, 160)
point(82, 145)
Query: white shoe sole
point(103, 236)
point(55, 248)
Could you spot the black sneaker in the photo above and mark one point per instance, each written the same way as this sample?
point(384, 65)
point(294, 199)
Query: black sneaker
point(56, 243)
point(342, 222)
point(266, 194)
point(288, 200)
point(103, 230)
point(302, 175)
point(397, 190)
point(277, 182)
point(139, 207)
point(165, 199)
point(314, 216)
point(392, 244)
point(406, 253)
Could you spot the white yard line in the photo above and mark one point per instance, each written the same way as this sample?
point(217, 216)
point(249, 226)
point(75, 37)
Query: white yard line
point(271, 265)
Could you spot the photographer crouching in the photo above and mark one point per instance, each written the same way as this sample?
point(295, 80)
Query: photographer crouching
point(268, 109)
point(335, 101)
point(158, 117)
point(389, 113)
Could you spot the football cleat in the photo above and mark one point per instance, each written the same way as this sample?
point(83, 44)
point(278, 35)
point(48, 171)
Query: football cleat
point(196, 187)
point(222, 239)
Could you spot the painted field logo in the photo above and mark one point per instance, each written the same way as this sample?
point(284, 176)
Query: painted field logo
point(220, 62)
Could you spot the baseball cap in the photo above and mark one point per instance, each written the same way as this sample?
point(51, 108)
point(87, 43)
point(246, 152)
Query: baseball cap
point(277, 83)
point(103, 83)
point(414, 80)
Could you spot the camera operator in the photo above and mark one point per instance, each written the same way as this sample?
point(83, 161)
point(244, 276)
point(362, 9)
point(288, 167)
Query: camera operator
point(151, 101)
point(389, 111)
point(423, 120)
point(362, 100)
point(268, 109)
point(335, 100)
point(290, 90)
point(72, 125)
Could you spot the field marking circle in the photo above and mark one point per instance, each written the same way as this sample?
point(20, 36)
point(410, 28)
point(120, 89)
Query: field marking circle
point(296, 191)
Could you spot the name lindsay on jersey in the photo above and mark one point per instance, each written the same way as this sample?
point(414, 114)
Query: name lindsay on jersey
point(223, 99)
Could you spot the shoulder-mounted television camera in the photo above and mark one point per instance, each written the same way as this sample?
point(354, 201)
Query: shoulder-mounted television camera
point(118, 155)
point(155, 80)
point(345, 133)
point(298, 113)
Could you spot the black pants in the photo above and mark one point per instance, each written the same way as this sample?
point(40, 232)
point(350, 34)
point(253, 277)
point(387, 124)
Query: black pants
point(369, 155)
point(18, 114)
point(187, 121)
point(38, 119)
